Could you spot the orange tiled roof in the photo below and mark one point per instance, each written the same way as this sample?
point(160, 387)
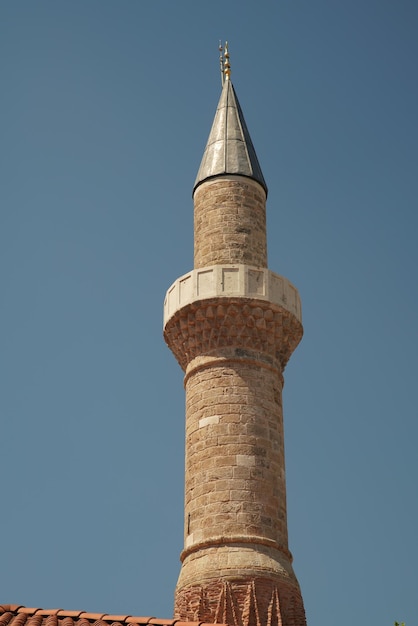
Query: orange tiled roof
point(16, 615)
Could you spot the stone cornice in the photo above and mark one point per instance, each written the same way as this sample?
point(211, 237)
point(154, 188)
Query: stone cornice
point(226, 281)
point(235, 540)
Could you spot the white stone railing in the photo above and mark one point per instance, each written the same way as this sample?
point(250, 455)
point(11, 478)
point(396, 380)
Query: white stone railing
point(229, 281)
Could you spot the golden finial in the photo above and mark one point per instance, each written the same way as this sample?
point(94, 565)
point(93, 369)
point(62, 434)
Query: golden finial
point(227, 66)
point(221, 63)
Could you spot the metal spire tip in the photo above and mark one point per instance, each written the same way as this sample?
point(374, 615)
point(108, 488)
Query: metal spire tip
point(227, 66)
point(224, 62)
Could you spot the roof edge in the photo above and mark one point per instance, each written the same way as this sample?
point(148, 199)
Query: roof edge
point(229, 175)
point(18, 609)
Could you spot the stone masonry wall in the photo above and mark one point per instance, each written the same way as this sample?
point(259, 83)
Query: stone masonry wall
point(235, 478)
point(230, 222)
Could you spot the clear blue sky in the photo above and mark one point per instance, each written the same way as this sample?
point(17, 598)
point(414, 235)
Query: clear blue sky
point(105, 110)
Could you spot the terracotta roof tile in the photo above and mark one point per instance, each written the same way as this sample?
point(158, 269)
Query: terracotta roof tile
point(4, 619)
point(67, 621)
point(24, 609)
point(18, 615)
point(81, 622)
point(19, 620)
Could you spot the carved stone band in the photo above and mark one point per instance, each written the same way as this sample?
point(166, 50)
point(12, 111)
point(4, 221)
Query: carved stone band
point(235, 281)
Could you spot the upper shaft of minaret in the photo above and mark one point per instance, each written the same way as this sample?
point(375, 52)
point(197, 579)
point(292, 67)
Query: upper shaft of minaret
point(230, 192)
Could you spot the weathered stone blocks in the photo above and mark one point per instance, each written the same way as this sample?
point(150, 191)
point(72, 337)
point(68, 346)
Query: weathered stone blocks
point(230, 222)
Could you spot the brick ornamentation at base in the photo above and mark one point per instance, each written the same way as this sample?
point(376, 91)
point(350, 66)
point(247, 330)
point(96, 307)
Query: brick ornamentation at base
point(255, 602)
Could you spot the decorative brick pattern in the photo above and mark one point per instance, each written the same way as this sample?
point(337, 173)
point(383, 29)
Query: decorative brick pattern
point(205, 326)
point(230, 222)
point(253, 602)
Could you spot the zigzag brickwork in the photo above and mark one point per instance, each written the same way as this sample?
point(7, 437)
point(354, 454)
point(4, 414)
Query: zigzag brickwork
point(204, 326)
point(254, 602)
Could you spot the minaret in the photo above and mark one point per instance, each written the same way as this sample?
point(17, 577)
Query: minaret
point(232, 324)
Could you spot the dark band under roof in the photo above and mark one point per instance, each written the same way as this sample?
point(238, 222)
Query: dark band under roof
point(229, 149)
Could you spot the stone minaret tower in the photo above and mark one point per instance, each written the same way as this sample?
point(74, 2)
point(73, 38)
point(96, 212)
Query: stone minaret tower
point(232, 324)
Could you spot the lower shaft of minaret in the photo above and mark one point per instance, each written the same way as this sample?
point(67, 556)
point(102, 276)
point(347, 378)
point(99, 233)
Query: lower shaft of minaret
point(230, 222)
point(235, 485)
point(236, 564)
point(236, 567)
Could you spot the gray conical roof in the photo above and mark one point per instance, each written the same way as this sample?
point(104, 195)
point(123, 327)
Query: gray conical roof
point(229, 149)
